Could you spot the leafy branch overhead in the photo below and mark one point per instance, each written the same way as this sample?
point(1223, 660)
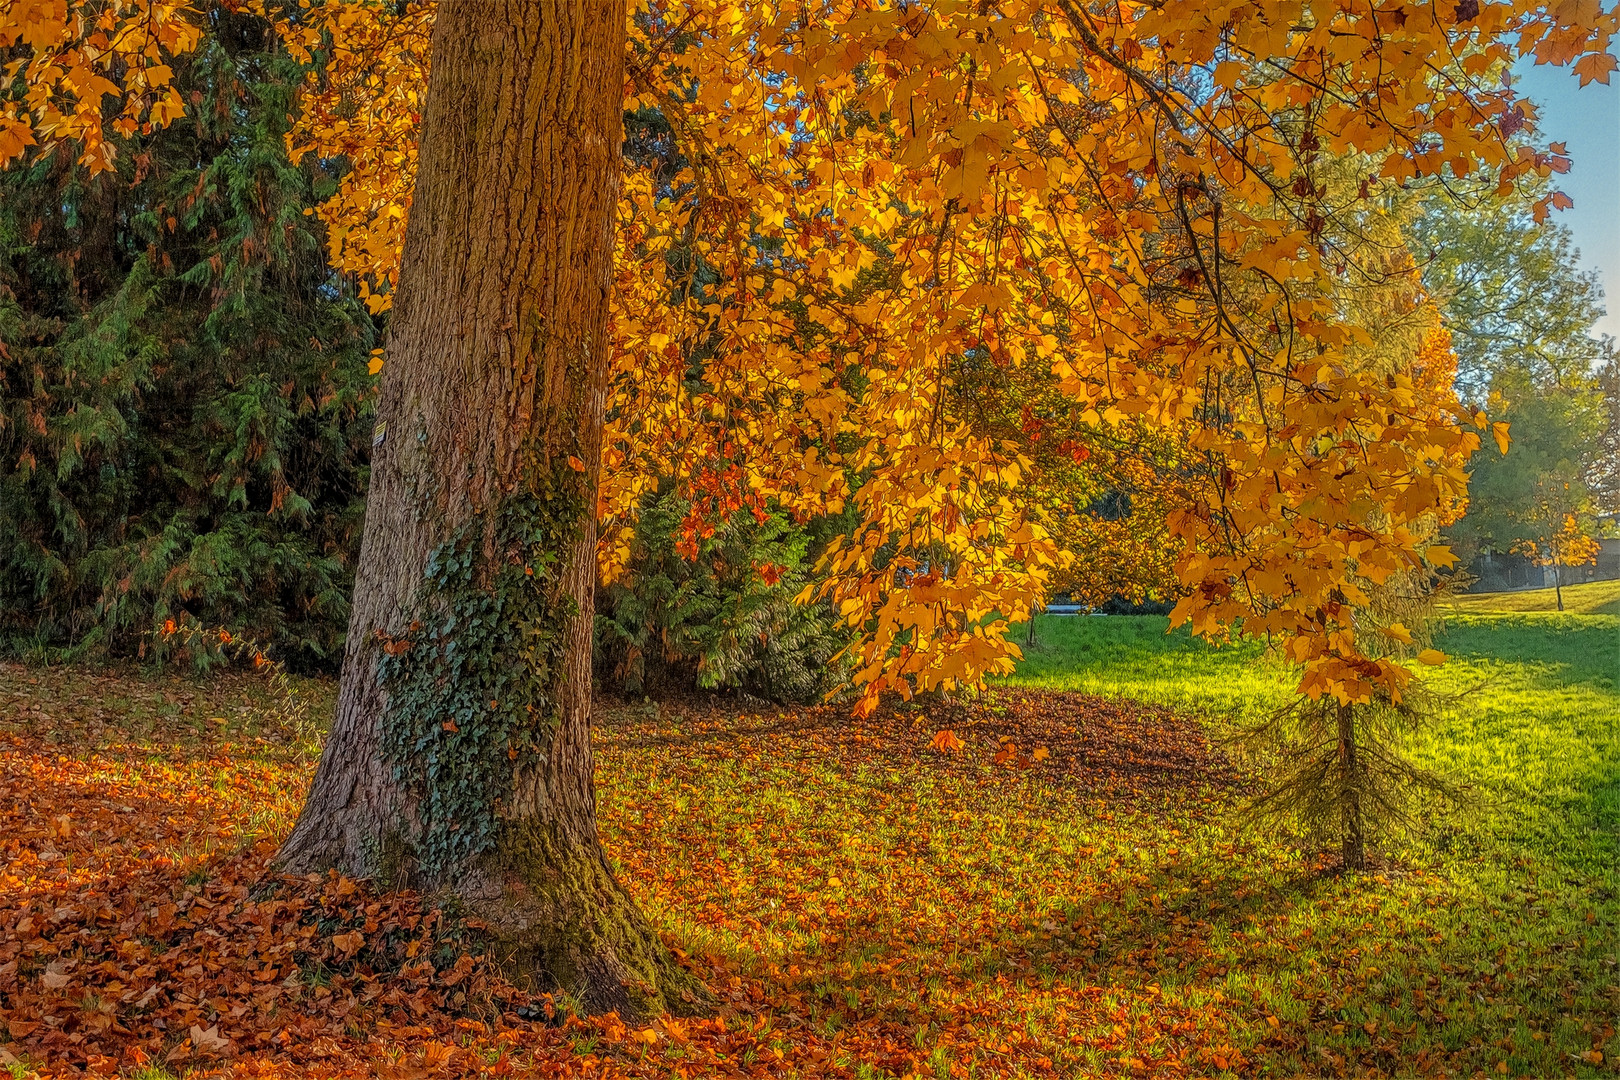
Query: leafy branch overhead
point(834, 215)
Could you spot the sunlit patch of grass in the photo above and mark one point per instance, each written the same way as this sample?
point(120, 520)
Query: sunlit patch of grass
point(1587, 598)
point(1140, 657)
point(1017, 923)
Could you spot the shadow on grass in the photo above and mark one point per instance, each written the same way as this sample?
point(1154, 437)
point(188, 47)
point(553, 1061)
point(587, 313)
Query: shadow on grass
point(1583, 649)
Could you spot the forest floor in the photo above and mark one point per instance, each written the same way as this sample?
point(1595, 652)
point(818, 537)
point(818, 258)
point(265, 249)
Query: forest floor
point(1074, 892)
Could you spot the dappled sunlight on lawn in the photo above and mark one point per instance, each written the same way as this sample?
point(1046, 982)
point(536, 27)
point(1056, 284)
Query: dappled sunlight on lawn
point(1586, 598)
point(1072, 892)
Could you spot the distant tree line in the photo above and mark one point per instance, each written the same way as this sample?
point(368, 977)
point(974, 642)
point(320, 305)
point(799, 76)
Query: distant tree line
point(1521, 315)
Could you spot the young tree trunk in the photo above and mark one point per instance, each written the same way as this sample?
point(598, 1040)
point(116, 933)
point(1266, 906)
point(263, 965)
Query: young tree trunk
point(1354, 846)
point(1558, 574)
point(459, 760)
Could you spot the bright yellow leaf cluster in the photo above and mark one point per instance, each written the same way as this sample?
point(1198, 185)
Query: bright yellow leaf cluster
point(837, 211)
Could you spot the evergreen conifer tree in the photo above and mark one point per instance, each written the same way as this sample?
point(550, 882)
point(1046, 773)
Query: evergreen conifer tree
point(184, 395)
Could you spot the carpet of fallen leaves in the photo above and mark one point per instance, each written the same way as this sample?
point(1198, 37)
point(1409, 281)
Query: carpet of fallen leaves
point(1058, 890)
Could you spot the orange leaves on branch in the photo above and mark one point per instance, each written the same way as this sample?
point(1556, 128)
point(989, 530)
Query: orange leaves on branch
point(844, 228)
point(1595, 67)
point(89, 66)
point(803, 303)
point(969, 230)
point(1397, 632)
point(1543, 207)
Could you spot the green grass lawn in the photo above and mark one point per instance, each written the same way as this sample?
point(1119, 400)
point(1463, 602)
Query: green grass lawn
point(1067, 920)
point(1512, 898)
point(1591, 598)
point(1133, 656)
point(1076, 892)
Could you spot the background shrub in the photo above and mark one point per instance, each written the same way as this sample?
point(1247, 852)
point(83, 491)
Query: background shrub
point(726, 619)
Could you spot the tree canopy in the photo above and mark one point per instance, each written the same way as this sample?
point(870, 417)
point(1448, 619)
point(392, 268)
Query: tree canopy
point(1522, 317)
point(838, 216)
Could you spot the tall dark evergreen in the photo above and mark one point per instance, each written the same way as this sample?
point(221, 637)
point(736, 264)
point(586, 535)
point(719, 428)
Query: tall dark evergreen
point(184, 395)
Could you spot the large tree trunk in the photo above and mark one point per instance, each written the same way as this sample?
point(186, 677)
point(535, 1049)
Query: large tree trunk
point(459, 760)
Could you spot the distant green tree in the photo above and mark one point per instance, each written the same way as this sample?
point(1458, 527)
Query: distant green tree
point(1521, 316)
point(1515, 301)
point(184, 394)
point(1603, 478)
point(1537, 500)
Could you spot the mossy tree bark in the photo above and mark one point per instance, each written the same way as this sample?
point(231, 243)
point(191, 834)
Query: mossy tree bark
point(459, 760)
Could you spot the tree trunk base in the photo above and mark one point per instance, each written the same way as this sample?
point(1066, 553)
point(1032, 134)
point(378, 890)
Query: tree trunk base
point(559, 922)
point(1353, 851)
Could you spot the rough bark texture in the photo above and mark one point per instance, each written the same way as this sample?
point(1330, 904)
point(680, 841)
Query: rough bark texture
point(496, 378)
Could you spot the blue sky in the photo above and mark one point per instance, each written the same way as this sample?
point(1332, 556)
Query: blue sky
point(1587, 119)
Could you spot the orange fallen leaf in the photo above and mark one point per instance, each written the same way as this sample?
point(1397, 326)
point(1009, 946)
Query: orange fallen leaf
point(946, 740)
point(208, 1041)
point(437, 1055)
point(349, 943)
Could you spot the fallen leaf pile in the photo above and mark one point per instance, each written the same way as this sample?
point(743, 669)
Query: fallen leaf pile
point(147, 967)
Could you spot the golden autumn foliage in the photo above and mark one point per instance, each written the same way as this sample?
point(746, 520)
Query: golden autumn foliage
point(835, 209)
point(1567, 545)
point(63, 57)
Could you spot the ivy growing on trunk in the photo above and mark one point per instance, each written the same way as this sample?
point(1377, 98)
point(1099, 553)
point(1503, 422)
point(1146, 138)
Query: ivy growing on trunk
point(471, 691)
